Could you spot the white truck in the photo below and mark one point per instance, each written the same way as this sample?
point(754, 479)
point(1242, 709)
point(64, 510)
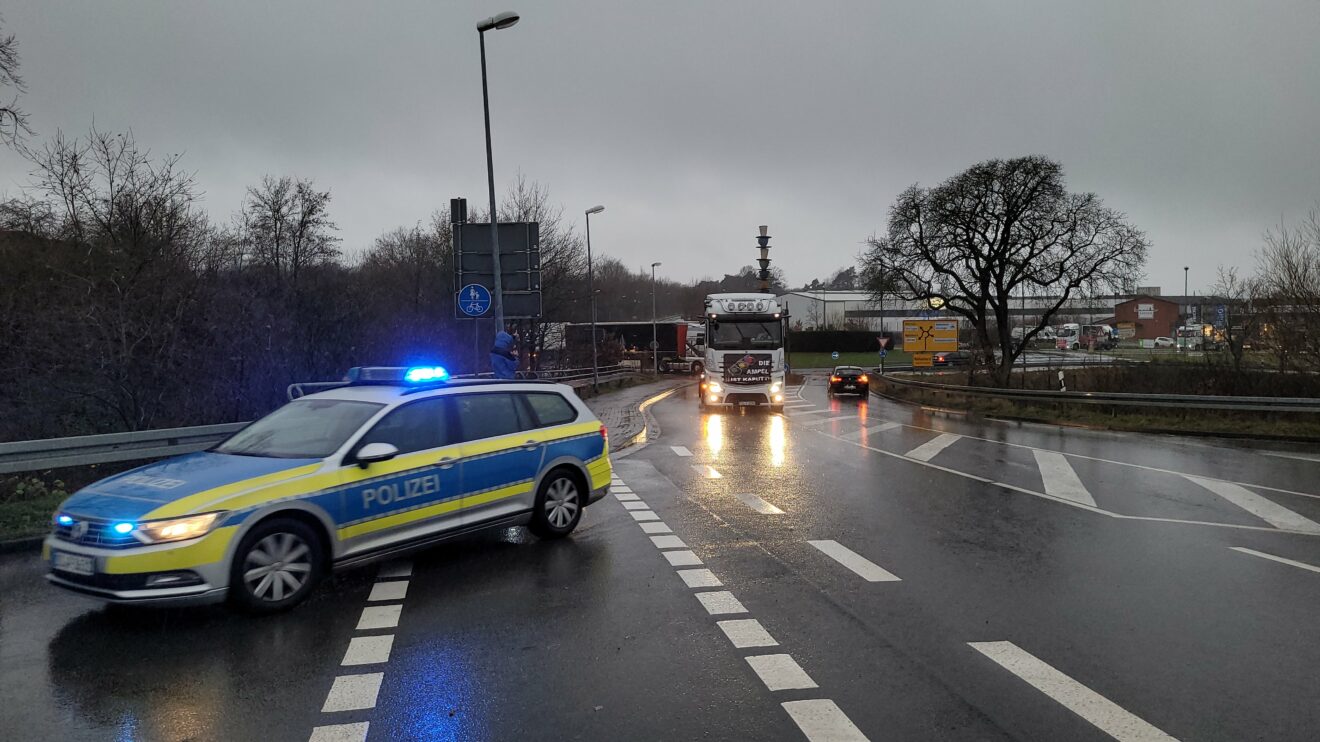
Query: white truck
point(745, 361)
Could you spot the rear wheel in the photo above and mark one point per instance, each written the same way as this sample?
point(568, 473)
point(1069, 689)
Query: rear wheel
point(276, 567)
point(558, 507)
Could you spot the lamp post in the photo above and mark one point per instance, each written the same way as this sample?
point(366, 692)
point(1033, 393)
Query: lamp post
point(1187, 303)
point(655, 342)
point(493, 23)
point(591, 289)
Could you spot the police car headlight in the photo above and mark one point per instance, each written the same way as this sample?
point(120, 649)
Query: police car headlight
point(176, 529)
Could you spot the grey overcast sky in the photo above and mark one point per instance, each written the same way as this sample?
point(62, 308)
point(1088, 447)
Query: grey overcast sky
point(693, 122)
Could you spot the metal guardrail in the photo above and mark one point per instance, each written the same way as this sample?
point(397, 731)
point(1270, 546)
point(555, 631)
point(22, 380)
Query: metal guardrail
point(84, 450)
point(1124, 399)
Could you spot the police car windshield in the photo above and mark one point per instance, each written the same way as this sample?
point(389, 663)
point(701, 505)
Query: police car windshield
point(305, 429)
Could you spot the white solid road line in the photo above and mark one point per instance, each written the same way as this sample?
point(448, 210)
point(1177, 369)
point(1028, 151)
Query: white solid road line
point(1059, 478)
point(641, 515)
point(1267, 510)
point(392, 590)
point(353, 692)
point(1106, 715)
point(759, 505)
point(635, 505)
point(821, 720)
point(699, 578)
point(657, 526)
point(720, 602)
point(813, 412)
point(927, 450)
point(780, 672)
point(368, 650)
point(680, 451)
point(746, 632)
point(379, 617)
point(682, 558)
point(394, 571)
point(881, 428)
point(355, 732)
point(706, 471)
point(864, 568)
point(1288, 455)
point(1281, 560)
point(668, 542)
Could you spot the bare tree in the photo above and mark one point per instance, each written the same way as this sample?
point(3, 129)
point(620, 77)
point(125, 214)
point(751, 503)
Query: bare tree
point(13, 119)
point(288, 227)
point(1288, 285)
point(980, 238)
point(1242, 322)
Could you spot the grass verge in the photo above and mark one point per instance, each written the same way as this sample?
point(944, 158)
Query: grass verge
point(26, 505)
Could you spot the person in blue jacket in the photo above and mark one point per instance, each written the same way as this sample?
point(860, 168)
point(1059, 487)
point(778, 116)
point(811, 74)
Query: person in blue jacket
point(503, 362)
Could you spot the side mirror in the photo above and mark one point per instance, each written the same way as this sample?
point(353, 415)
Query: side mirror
point(374, 453)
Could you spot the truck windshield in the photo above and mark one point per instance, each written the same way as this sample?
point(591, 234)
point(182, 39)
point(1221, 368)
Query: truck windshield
point(743, 335)
point(305, 429)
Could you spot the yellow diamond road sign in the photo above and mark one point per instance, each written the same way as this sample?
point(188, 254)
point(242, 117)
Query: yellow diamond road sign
point(930, 335)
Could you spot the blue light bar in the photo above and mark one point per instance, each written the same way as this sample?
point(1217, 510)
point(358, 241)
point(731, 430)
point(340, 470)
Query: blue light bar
point(122, 528)
point(64, 520)
point(422, 374)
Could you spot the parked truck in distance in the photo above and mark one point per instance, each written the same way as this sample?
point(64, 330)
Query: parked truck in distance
point(682, 344)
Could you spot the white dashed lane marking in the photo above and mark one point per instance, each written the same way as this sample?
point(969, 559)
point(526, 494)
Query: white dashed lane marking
point(759, 505)
point(821, 720)
point(368, 650)
point(682, 558)
point(1267, 510)
point(657, 526)
point(1106, 715)
point(706, 471)
point(928, 450)
point(394, 590)
point(641, 515)
point(780, 672)
point(720, 602)
point(668, 542)
point(635, 505)
point(379, 617)
point(680, 451)
point(796, 415)
point(699, 578)
point(1059, 478)
point(747, 632)
point(626, 497)
point(824, 420)
point(881, 428)
point(864, 568)
point(1278, 559)
point(353, 692)
point(355, 732)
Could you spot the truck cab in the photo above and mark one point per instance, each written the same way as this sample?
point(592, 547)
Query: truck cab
point(745, 361)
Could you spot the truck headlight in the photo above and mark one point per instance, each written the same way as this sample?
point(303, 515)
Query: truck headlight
point(714, 386)
point(176, 529)
point(775, 387)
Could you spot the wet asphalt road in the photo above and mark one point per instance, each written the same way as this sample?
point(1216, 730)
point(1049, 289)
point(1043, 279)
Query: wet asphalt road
point(1128, 618)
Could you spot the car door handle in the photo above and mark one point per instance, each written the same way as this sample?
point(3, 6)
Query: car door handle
point(448, 462)
point(531, 445)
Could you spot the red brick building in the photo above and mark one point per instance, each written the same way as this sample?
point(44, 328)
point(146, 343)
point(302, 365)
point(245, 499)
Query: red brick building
point(1146, 318)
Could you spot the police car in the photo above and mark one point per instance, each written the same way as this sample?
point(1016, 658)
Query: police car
point(387, 461)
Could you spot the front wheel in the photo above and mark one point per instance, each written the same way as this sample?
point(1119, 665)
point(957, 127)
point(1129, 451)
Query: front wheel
point(276, 566)
point(698, 368)
point(558, 506)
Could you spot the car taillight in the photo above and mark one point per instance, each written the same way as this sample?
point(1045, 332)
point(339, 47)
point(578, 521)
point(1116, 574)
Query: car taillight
point(835, 378)
point(605, 433)
point(862, 379)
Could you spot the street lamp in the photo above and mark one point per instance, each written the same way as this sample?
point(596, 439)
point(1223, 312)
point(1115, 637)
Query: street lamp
point(1186, 303)
point(591, 289)
point(493, 23)
point(655, 342)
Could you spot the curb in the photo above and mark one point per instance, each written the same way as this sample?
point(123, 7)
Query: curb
point(650, 428)
point(27, 543)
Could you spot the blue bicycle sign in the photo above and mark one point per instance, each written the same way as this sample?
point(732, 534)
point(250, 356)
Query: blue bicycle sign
point(474, 300)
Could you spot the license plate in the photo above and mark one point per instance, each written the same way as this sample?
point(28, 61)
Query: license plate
point(73, 563)
point(746, 404)
point(850, 386)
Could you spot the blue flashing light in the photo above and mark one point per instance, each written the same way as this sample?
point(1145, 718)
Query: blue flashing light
point(64, 520)
point(122, 528)
point(423, 374)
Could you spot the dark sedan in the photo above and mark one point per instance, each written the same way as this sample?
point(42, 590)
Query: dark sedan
point(849, 380)
point(952, 358)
